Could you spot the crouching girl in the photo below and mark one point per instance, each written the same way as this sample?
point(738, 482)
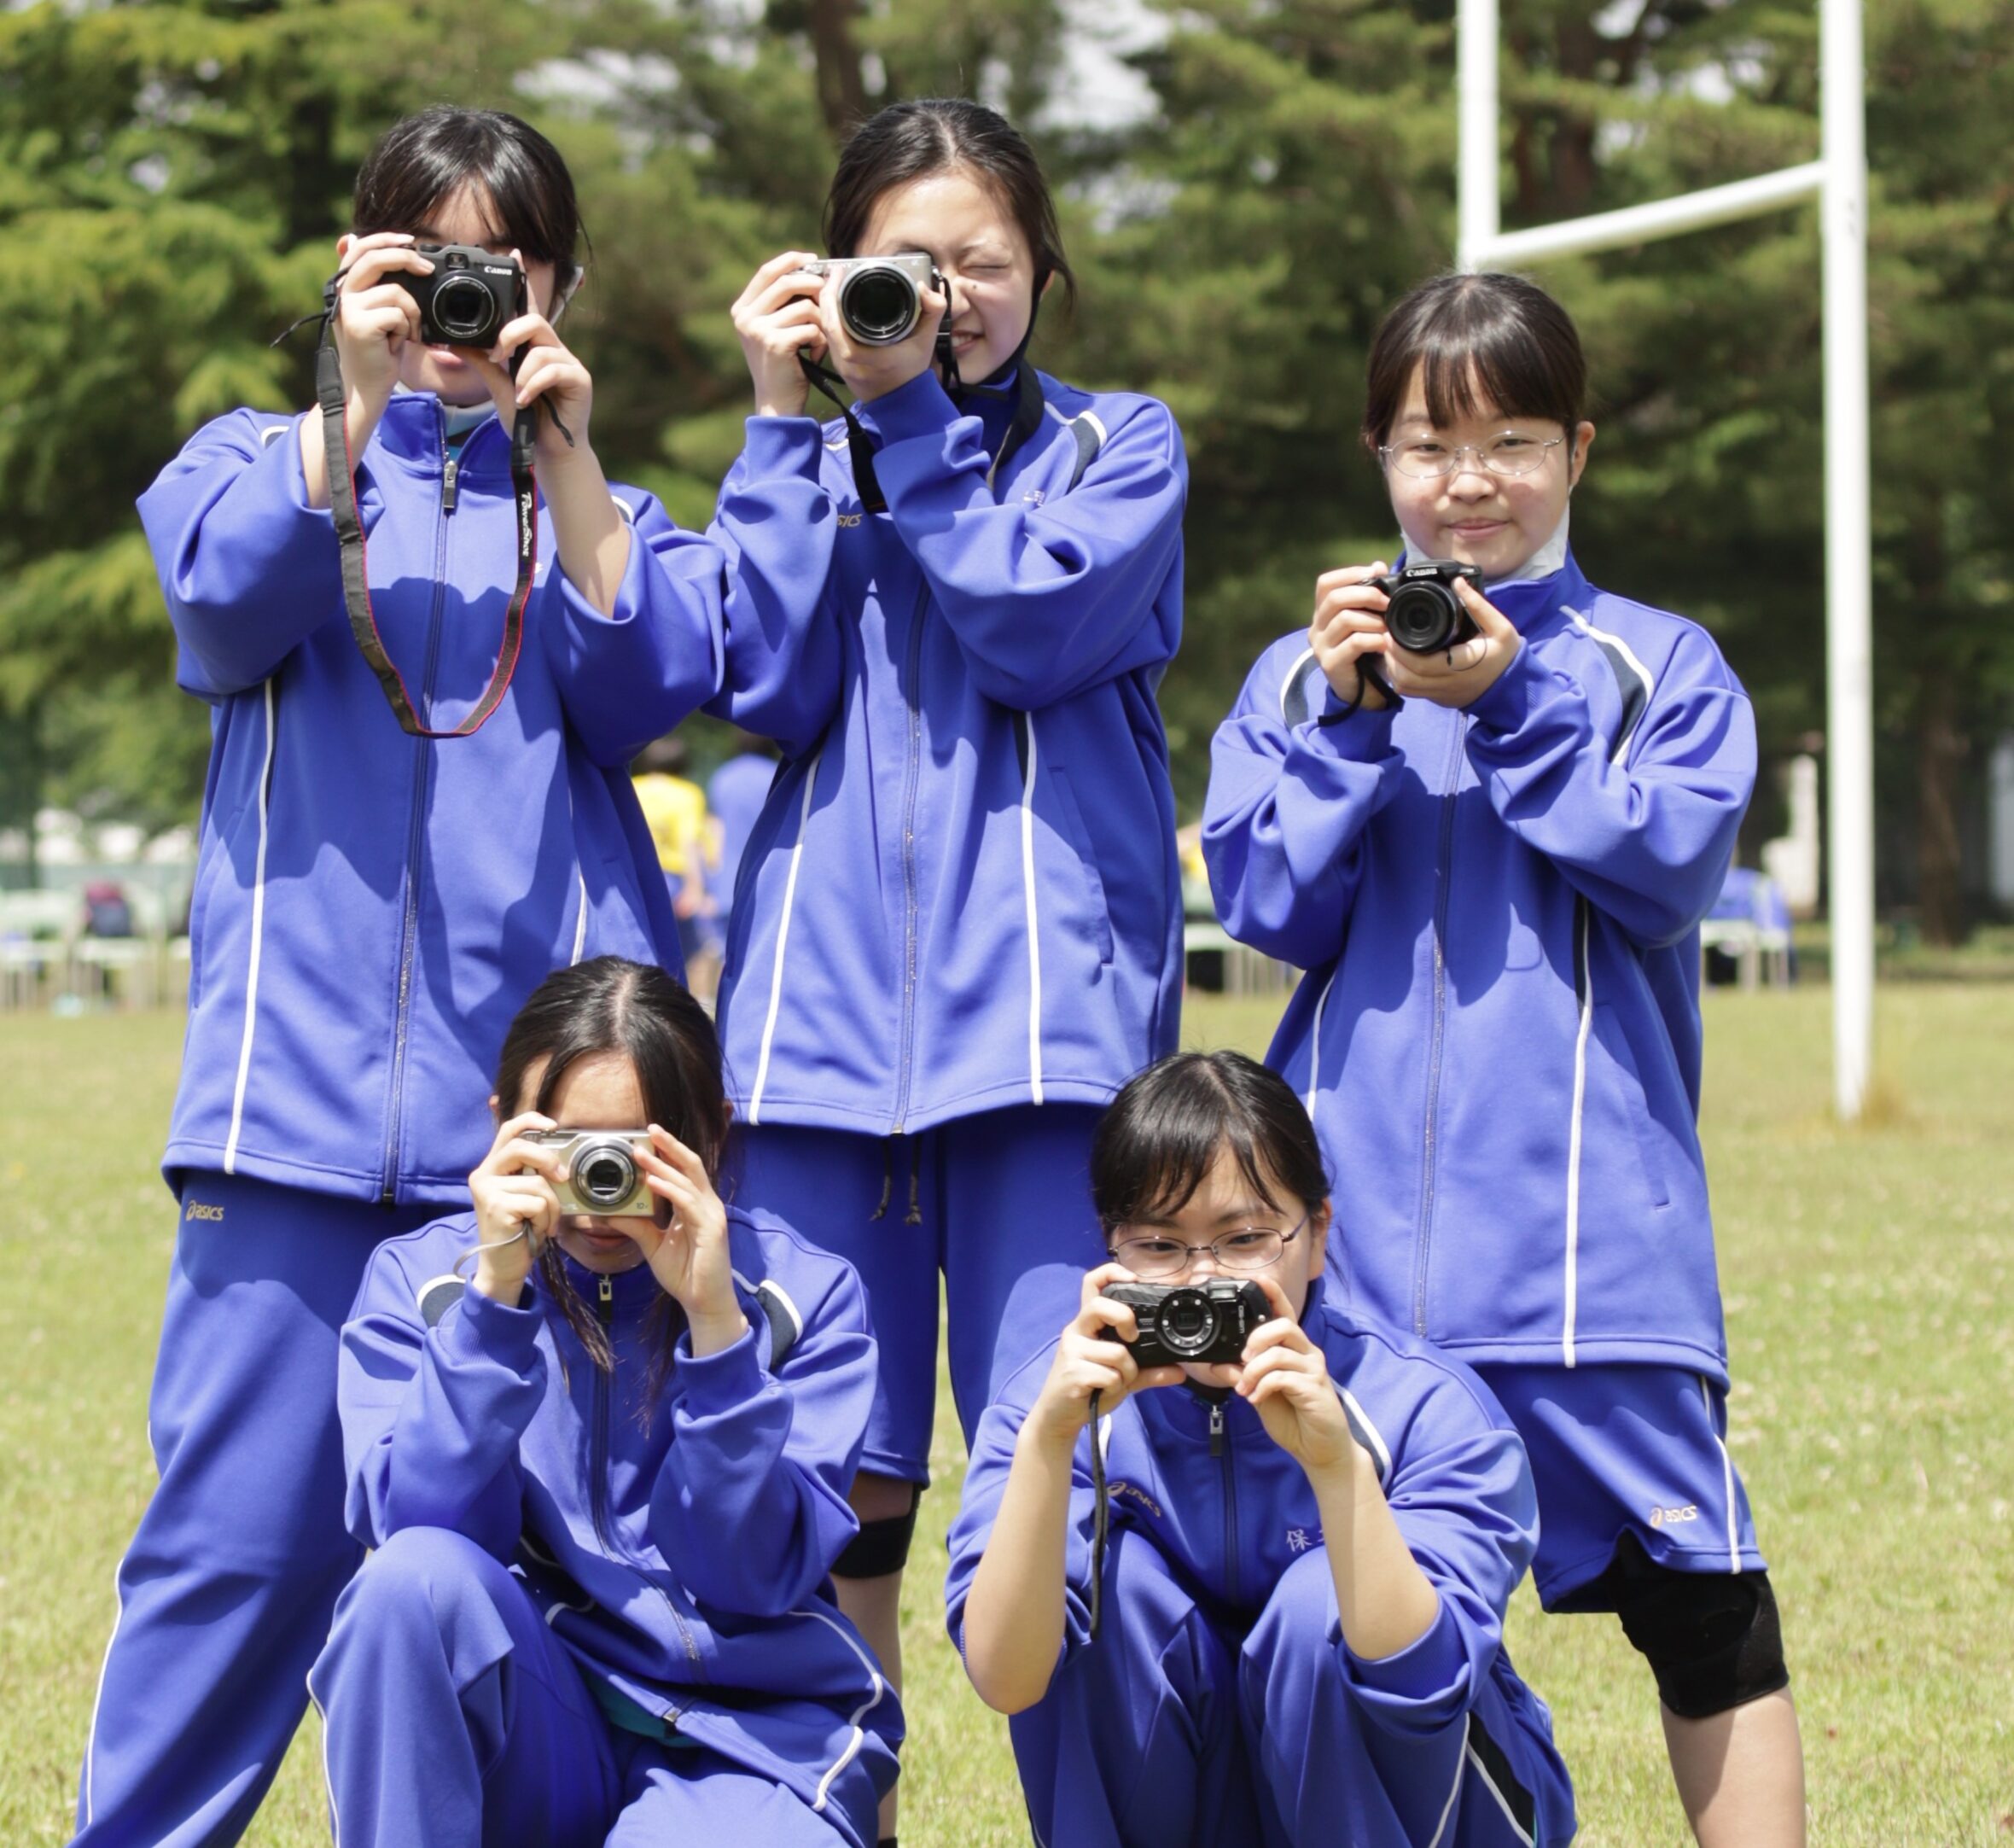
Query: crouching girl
point(1300, 1600)
point(606, 1477)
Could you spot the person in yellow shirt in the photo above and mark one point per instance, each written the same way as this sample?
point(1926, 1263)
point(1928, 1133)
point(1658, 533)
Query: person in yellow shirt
point(687, 838)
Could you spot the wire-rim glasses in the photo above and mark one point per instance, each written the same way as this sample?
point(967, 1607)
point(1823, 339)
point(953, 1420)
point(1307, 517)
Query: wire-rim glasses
point(1243, 1248)
point(1506, 456)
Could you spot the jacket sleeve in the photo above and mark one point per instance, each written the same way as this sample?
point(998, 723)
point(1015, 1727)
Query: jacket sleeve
point(1470, 1517)
point(775, 526)
point(1046, 601)
point(248, 569)
point(630, 677)
point(978, 1507)
point(1284, 816)
point(432, 1417)
point(750, 1503)
point(1647, 839)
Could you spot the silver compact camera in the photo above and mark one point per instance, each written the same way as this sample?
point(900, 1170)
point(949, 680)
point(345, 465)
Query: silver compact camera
point(603, 1176)
point(880, 298)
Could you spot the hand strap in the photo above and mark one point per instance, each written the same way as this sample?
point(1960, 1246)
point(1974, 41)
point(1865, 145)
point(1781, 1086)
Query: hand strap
point(1100, 1519)
point(349, 533)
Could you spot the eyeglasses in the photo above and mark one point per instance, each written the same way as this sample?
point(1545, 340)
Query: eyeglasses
point(1243, 1248)
point(1508, 456)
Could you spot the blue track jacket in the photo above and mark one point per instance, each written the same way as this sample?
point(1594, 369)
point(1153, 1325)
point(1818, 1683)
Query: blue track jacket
point(1231, 1511)
point(369, 909)
point(963, 893)
point(684, 1562)
point(1498, 1038)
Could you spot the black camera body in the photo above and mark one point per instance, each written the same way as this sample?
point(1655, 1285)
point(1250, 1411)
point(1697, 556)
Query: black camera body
point(468, 298)
point(1193, 1324)
point(1426, 615)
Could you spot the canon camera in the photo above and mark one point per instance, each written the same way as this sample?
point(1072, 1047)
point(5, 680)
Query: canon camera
point(468, 298)
point(1426, 614)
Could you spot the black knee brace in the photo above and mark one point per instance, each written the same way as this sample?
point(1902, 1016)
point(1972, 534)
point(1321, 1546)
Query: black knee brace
point(881, 1547)
point(1712, 1639)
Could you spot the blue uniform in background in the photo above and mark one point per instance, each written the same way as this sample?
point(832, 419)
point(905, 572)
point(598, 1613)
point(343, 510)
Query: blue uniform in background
point(957, 928)
point(1219, 1704)
point(734, 794)
point(370, 911)
point(598, 1609)
point(1498, 1037)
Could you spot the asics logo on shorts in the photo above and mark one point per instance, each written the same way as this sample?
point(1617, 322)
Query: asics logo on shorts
point(203, 1209)
point(1672, 1516)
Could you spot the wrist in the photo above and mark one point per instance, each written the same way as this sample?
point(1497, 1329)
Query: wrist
point(1050, 1435)
point(715, 1333)
point(1347, 1478)
point(500, 1287)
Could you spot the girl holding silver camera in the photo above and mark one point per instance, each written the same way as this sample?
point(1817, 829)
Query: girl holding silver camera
point(956, 929)
point(604, 1478)
point(1259, 1600)
point(1496, 888)
point(395, 852)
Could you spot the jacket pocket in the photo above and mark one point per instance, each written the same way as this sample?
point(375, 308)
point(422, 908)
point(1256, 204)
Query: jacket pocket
point(1080, 844)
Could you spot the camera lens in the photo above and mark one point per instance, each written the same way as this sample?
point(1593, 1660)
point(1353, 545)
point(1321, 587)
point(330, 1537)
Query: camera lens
point(879, 306)
point(465, 312)
point(1423, 618)
point(605, 1175)
point(1188, 1322)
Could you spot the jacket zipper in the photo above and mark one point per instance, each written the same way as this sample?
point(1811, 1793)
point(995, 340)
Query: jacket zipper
point(1220, 1446)
point(597, 1471)
point(416, 827)
point(912, 695)
point(1444, 878)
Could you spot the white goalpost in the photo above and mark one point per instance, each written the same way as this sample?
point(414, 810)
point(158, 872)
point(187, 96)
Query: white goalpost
point(1839, 180)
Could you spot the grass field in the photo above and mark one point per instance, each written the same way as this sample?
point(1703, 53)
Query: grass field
point(1869, 1284)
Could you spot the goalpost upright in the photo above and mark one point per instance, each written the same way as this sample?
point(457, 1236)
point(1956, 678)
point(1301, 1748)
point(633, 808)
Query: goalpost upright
point(1839, 180)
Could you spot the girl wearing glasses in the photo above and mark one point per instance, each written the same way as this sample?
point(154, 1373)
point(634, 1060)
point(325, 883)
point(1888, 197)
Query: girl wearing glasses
point(1495, 881)
point(1309, 1551)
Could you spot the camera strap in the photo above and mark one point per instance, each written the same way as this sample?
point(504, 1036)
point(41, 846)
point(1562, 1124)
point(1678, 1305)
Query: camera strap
point(1100, 1518)
point(349, 532)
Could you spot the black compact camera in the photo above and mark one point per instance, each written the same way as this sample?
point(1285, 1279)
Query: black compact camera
point(1195, 1324)
point(1426, 615)
point(880, 298)
point(468, 298)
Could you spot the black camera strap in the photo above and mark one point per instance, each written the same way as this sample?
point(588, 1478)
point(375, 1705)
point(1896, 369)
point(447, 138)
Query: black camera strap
point(1028, 405)
point(1100, 1518)
point(349, 532)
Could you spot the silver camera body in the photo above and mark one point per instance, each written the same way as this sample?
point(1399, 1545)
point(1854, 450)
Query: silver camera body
point(603, 1177)
point(880, 298)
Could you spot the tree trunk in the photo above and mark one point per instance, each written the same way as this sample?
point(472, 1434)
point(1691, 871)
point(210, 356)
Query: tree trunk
point(1941, 750)
point(842, 92)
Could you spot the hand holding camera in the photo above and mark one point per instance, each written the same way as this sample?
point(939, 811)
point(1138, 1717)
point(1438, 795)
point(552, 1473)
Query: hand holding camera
point(1092, 1356)
point(881, 317)
point(1285, 1379)
point(1429, 629)
point(517, 1207)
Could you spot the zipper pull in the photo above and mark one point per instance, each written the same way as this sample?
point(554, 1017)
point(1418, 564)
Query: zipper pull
point(1217, 1427)
point(605, 1295)
point(451, 467)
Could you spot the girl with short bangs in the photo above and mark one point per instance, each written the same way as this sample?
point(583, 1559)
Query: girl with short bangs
point(371, 903)
point(1290, 1631)
point(1496, 888)
point(602, 1459)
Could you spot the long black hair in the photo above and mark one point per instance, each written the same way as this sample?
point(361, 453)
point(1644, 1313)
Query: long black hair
point(1475, 337)
point(422, 160)
point(1162, 1134)
point(635, 1011)
point(910, 140)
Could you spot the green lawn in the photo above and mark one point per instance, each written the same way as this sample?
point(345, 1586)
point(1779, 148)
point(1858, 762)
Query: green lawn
point(1870, 1285)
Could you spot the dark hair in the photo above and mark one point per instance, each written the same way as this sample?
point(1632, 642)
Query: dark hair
point(425, 160)
point(1161, 1134)
point(908, 141)
point(1488, 336)
point(636, 1010)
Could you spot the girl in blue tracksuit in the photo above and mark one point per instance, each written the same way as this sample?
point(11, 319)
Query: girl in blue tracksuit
point(1299, 1605)
point(369, 909)
point(957, 928)
point(605, 1479)
point(1496, 890)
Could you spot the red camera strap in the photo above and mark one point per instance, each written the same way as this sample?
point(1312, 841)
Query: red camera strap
point(349, 532)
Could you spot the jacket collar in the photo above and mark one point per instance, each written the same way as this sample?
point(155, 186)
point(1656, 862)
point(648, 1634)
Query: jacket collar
point(413, 434)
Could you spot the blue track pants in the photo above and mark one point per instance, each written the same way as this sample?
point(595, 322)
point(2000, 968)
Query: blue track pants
point(456, 1719)
point(1171, 1728)
point(225, 1593)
